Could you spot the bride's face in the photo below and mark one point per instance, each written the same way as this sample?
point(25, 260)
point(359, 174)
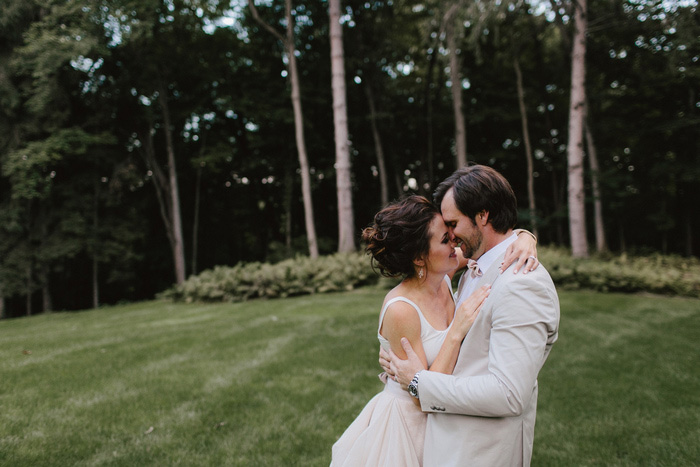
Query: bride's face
point(442, 257)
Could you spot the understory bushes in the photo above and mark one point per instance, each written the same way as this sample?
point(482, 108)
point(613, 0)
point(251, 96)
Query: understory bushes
point(670, 275)
point(656, 273)
point(296, 276)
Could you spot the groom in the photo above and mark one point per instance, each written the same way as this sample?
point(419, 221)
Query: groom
point(484, 413)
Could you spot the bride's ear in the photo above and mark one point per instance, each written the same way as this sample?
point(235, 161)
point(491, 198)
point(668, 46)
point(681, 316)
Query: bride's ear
point(419, 263)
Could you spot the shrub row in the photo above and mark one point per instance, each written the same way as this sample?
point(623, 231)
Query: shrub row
point(297, 276)
point(658, 274)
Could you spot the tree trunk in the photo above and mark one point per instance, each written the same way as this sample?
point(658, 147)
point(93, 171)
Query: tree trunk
point(195, 220)
point(160, 183)
point(178, 247)
point(95, 247)
point(95, 282)
point(288, 42)
point(528, 147)
point(303, 159)
point(428, 104)
point(42, 265)
point(2, 304)
point(621, 237)
point(379, 150)
point(46, 301)
point(343, 167)
point(577, 211)
point(288, 195)
point(559, 207)
point(30, 286)
point(601, 243)
point(460, 131)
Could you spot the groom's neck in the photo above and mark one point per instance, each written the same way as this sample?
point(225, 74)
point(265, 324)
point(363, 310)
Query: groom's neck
point(492, 238)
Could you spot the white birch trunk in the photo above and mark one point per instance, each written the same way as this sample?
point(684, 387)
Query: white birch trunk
point(577, 211)
point(381, 162)
point(303, 159)
point(458, 108)
point(601, 243)
point(288, 42)
point(178, 246)
point(346, 222)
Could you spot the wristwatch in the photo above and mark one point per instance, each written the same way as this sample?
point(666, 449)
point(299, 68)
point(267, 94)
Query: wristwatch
point(413, 386)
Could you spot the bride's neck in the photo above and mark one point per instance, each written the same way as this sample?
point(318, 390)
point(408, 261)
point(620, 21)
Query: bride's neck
point(429, 285)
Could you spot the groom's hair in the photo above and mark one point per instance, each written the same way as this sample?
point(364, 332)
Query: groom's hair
point(480, 188)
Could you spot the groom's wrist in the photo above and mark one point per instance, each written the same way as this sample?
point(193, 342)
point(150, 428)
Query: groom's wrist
point(413, 386)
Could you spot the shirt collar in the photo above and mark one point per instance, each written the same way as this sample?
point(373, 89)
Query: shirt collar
point(487, 259)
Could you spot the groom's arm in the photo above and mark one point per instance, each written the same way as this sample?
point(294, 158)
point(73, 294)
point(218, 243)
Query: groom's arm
point(525, 319)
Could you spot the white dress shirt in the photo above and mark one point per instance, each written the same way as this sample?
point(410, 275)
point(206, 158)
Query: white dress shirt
point(484, 262)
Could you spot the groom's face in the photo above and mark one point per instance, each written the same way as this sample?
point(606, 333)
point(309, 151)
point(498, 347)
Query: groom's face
point(462, 228)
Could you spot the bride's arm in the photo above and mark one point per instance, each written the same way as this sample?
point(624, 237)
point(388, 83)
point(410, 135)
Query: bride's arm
point(401, 320)
point(522, 251)
point(462, 322)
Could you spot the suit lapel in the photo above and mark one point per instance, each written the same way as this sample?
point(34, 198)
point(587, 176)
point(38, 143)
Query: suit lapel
point(490, 276)
point(471, 346)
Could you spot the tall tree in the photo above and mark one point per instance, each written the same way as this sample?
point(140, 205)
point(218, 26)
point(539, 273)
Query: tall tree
point(600, 240)
point(288, 43)
point(528, 146)
point(343, 166)
point(449, 21)
point(378, 146)
point(577, 110)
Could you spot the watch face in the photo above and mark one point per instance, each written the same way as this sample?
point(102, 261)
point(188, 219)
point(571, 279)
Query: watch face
point(413, 390)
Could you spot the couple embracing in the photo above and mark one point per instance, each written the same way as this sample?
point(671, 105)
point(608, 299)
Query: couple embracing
point(460, 369)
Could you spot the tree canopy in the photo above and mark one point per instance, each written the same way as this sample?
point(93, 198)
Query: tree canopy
point(120, 117)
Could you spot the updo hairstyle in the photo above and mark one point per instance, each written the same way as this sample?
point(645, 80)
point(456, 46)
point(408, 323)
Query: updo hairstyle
point(400, 234)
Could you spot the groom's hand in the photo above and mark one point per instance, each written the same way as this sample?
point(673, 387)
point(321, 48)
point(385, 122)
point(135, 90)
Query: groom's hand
point(385, 362)
point(404, 370)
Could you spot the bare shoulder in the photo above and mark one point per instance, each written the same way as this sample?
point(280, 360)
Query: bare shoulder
point(401, 314)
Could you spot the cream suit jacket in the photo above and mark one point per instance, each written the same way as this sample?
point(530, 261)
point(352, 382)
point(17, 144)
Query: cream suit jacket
point(484, 414)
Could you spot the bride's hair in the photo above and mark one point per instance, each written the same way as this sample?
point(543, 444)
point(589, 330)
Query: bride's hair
point(400, 233)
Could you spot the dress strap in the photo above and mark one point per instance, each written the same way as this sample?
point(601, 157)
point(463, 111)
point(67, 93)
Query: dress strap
point(449, 286)
point(399, 299)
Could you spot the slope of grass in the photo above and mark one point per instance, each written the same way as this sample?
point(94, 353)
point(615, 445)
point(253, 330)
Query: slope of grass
point(276, 382)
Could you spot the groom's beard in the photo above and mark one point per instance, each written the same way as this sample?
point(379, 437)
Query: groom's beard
point(471, 245)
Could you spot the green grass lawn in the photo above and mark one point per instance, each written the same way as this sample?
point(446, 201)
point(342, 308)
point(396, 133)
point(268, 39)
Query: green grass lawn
point(276, 382)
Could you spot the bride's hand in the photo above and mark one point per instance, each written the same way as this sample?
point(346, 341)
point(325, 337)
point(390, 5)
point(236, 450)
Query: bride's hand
point(523, 252)
point(468, 311)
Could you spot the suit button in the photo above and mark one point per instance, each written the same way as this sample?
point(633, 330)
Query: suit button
point(439, 409)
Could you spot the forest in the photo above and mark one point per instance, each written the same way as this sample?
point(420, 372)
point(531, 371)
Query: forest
point(145, 141)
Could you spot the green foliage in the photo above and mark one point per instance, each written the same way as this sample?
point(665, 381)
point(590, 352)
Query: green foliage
point(655, 273)
point(298, 276)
